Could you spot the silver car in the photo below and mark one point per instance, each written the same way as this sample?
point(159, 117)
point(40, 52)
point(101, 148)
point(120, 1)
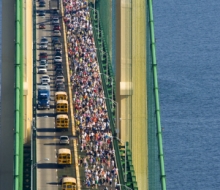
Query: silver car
point(60, 79)
point(45, 79)
point(64, 140)
point(43, 62)
point(44, 43)
point(55, 21)
point(57, 59)
point(56, 33)
point(42, 70)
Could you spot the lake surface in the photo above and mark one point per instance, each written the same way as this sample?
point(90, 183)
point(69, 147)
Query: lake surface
point(188, 56)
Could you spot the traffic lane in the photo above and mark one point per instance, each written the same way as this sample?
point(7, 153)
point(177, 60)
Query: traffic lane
point(46, 172)
point(48, 138)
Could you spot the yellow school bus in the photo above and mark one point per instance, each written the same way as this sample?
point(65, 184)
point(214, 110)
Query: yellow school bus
point(64, 156)
point(69, 183)
point(62, 121)
point(62, 106)
point(61, 96)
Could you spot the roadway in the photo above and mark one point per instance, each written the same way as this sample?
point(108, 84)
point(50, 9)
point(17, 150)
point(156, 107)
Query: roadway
point(47, 142)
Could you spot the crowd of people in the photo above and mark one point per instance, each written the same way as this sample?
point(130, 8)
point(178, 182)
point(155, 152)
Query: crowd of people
point(91, 117)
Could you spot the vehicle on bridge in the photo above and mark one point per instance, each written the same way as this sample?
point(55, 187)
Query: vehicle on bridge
point(42, 26)
point(59, 72)
point(44, 62)
point(43, 97)
point(64, 156)
point(61, 96)
point(54, 6)
point(42, 69)
point(60, 87)
point(61, 106)
point(42, 3)
point(45, 79)
point(56, 33)
point(43, 55)
point(62, 122)
point(56, 27)
point(42, 13)
point(68, 183)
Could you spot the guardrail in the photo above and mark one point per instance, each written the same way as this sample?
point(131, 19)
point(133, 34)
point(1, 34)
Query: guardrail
point(34, 121)
point(156, 94)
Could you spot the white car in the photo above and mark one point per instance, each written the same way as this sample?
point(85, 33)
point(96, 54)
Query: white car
point(42, 70)
point(60, 79)
point(45, 79)
point(64, 140)
point(55, 21)
point(56, 33)
point(44, 84)
point(44, 43)
point(57, 59)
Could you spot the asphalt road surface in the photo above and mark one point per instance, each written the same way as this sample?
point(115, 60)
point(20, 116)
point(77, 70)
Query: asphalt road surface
point(48, 171)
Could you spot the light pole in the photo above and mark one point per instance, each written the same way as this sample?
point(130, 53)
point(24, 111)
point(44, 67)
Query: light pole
point(124, 186)
point(104, 53)
point(108, 77)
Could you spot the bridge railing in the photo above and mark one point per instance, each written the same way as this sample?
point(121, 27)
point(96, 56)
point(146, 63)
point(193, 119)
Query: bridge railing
point(108, 82)
point(34, 101)
point(154, 119)
point(18, 127)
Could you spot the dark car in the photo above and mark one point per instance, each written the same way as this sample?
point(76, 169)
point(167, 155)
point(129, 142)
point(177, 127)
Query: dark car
point(56, 27)
point(41, 13)
point(60, 87)
point(43, 55)
point(58, 54)
point(59, 72)
point(56, 40)
point(41, 26)
point(54, 14)
point(42, 4)
point(58, 50)
point(58, 65)
point(58, 83)
point(44, 40)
